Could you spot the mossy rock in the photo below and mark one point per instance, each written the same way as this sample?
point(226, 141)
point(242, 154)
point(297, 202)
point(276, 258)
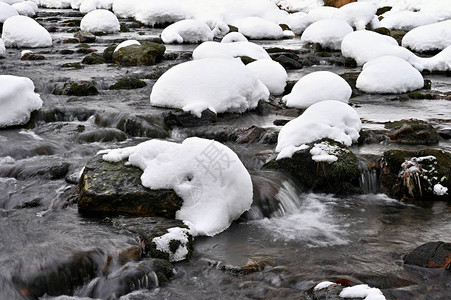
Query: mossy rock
point(72, 65)
point(340, 177)
point(187, 119)
point(85, 37)
point(67, 51)
point(93, 60)
point(419, 95)
point(383, 10)
point(32, 56)
point(128, 83)
point(116, 188)
point(108, 53)
point(383, 30)
point(412, 185)
point(82, 88)
point(412, 132)
point(284, 27)
point(233, 28)
point(146, 54)
point(431, 255)
point(398, 35)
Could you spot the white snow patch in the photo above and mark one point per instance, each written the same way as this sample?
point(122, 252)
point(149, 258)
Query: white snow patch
point(259, 29)
point(23, 31)
point(100, 20)
point(406, 20)
point(162, 12)
point(127, 43)
point(357, 14)
point(54, 3)
point(187, 31)
point(233, 37)
point(2, 48)
point(362, 291)
point(389, 74)
point(271, 73)
point(217, 84)
point(323, 285)
point(87, 6)
point(174, 234)
point(326, 119)
point(325, 152)
point(230, 50)
point(316, 87)
point(440, 190)
point(17, 100)
point(24, 9)
point(215, 186)
point(328, 33)
point(431, 37)
point(439, 62)
point(6, 11)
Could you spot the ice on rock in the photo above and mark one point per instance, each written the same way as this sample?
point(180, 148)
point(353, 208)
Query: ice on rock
point(389, 74)
point(230, 50)
point(162, 12)
point(100, 20)
point(187, 31)
point(362, 291)
point(431, 37)
point(406, 20)
point(17, 100)
point(326, 119)
point(328, 33)
point(316, 87)
point(271, 73)
point(258, 29)
point(127, 43)
point(215, 186)
point(364, 45)
point(24, 9)
point(221, 85)
point(233, 37)
point(23, 31)
point(2, 49)
point(357, 14)
point(6, 11)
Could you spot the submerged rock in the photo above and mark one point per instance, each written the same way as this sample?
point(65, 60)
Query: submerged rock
point(431, 255)
point(150, 126)
point(117, 188)
point(146, 54)
point(85, 37)
point(103, 135)
point(412, 132)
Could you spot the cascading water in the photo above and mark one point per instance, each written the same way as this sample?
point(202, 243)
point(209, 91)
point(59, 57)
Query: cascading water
point(369, 178)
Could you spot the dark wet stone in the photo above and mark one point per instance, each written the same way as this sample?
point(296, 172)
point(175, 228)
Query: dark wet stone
point(383, 30)
point(30, 204)
point(45, 169)
point(59, 171)
point(32, 56)
point(445, 133)
point(247, 60)
point(76, 66)
point(116, 188)
point(351, 79)
point(382, 10)
point(427, 84)
point(103, 135)
point(350, 62)
point(289, 87)
point(398, 35)
point(330, 293)
point(150, 126)
point(288, 63)
point(93, 59)
point(340, 177)
point(280, 122)
point(71, 41)
point(233, 28)
point(187, 119)
point(158, 71)
point(67, 51)
point(85, 37)
point(419, 95)
point(108, 53)
point(72, 23)
point(337, 3)
point(72, 178)
point(146, 54)
point(128, 83)
point(412, 132)
point(252, 134)
point(418, 183)
point(368, 136)
point(431, 255)
point(86, 50)
point(82, 88)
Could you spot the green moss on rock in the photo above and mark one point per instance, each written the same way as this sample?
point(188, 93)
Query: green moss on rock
point(93, 60)
point(145, 54)
point(128, 83)
point(82, 88)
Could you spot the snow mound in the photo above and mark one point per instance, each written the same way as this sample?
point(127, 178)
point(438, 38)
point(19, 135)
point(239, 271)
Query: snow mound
point(24, 9)
point(6, 11)
point(162, 12)
point(406, 20)
point(87, 6)
point(2, 49)
point(357, 14)
point(260, 29)
point(233, 37)
point(316, 87)
point(362, 291)
point(127, 43)
point(431, 37)
point(54, 3)
point(100, 20)
point(298, 22)
point(389, 74)
point(326, 119)
point(271, 73)
point(230, 50)
point(187, 31)
point(298, 5)
point(328, 33)
point(364, 45)
point(32, 4)
point(440, 62)
point(221, 85)
point(215, 186)
point(23, 31)
point(17, 100)
point(124, 8)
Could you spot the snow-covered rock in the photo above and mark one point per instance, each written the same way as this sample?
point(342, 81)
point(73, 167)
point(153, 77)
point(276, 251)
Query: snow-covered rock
point(323, 285)
point(362, 291)
point(6, 11)
point(125, 8)
point(328, 33)
point(271, 73)
point(233, 37)
point(299, 5)
point(259, 29)
point(23, 31)
point(389, 74)
point(162, 12)
point(316, 87)
point(100, 20)
point(406, 20)
point(440, 190)
point(230, 50)
point(439, 62)
point(431, 37)
point(127, 43)
point(90, 5)
point(17, 100)
point(215, 186)
point(298, 22)
point(55, 3)
point(217, 84)
point(32, 4)
point(2, 49)
point(364, 45)
point(24, 9)
point(187, 31)
point(326, 119)
point(357, 14)
point(163, 243)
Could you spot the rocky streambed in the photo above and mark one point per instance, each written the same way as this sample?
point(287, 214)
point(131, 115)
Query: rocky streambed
point(351, 222)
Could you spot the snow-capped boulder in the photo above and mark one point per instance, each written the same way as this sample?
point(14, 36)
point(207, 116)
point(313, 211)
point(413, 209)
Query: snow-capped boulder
point(221, 85)
point(389, 74)
point(90, 5)
point(316, 87)
point(23, 31)
point(298, 22)
point(440, 62)
point(431, 37)
point(187, 31)
point(17, 100)
point(364, 45)
point(233, 37)
point(55, 3)
point(2, 48)
point(6, 11)
point(258, 29)
point(406, 20)
point(215, 186)
point(24, 9)
point(125, 8)
point(127, 43)
point(230, 50)
point(100, 20)
point(326, 119)
point(161, 12)
point(271, 73)
point(357, 14)
point(32, 4)
point(328, 33)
